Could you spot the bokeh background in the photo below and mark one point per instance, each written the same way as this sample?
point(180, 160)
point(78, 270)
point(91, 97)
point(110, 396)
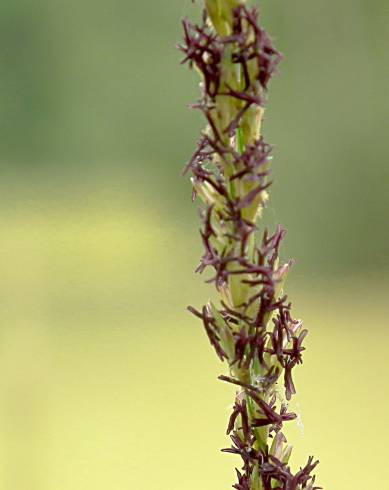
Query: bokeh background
point(105, 380)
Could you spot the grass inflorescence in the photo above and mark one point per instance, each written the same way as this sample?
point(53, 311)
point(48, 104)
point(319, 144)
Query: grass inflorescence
point(251, 327)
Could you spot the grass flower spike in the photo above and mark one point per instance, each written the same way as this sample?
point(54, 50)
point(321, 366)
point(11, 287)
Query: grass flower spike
point(251, 327)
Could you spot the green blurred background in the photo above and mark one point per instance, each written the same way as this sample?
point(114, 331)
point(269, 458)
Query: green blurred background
point(106, 382)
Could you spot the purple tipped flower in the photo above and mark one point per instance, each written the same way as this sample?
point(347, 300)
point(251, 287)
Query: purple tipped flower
point(252, 328)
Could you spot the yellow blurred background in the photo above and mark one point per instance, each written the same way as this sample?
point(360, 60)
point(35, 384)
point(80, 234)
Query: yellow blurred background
point(105, 380)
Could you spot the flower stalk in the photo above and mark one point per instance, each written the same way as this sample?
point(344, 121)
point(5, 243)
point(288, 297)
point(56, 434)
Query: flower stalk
point(251, 327)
